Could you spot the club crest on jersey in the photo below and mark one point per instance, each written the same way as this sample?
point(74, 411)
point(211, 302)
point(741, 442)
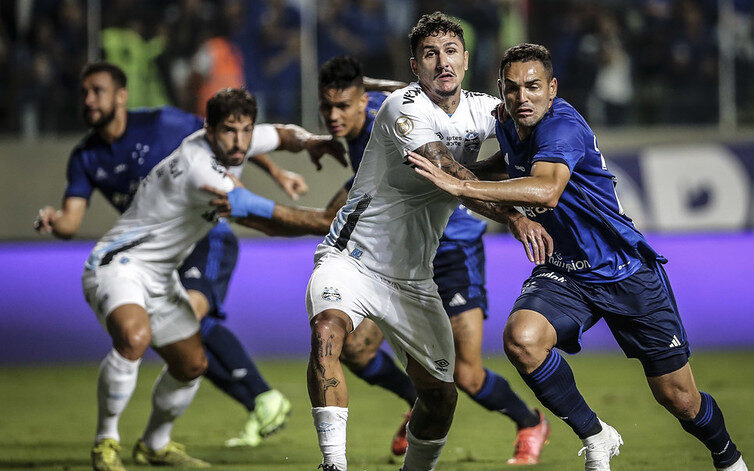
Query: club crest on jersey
point(404, 125)
point(330, 294)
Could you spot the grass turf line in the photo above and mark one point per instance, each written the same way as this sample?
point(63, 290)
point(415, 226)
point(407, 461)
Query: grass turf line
point(48, 417)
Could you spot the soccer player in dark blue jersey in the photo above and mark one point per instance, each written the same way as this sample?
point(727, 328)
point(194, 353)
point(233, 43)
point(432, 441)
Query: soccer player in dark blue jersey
point(120, 151)
point(348, 111)
point(601, 266)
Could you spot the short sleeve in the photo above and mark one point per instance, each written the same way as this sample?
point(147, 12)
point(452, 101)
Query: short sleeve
point(264, 139)
point(78, 183)
point(206, 172)
point(558, 140)
point(406, 120)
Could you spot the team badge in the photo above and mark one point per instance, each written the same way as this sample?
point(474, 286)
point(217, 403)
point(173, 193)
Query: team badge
point(330, 294)
point(404, 125)
point(471, 142)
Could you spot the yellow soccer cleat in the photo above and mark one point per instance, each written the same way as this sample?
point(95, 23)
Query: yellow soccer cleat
point(173, 454)
point(249, 436)
point(106, 456)
point(271, 409)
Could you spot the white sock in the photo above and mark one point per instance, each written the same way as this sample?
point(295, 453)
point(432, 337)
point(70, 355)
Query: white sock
point(115, 385)
point(170, 399)
point(422, 455)
point(330, 423)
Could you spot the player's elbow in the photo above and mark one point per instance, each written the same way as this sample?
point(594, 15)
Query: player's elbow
point(64, 233)
point(549, 199)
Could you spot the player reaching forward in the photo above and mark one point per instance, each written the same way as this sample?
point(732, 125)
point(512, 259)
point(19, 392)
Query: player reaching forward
point(376, 262)
point(602, 267)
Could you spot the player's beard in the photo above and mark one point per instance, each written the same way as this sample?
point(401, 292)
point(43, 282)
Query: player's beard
point(104, 120)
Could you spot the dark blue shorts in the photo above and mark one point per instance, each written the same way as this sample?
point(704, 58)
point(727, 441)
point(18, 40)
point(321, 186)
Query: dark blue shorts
point(639, 310)
point(208, 268)
point(459, 275)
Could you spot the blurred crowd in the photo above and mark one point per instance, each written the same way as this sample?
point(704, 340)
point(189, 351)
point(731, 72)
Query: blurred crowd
point(618, 61)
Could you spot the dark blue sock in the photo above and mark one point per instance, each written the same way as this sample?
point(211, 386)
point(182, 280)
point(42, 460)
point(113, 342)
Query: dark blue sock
point(222, 378)
point(383, 372)
point(497, 395)
point(554, 386)
point(232, 359)
point(709, 428)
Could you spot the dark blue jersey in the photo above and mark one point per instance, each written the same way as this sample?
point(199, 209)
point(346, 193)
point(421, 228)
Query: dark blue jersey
point(116, 169)
point(462, 226)
point(593, 238)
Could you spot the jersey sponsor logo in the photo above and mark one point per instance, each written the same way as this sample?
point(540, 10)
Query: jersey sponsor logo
point(457, 300)
point(556, 259)
point(550, 275)
point(193, 272)
point(120, 168)
point(439, 135)
point(529, 287)
point(471, 141)
point(675, 342)
point(532, 213)
point(100, 174)
point(442, 364)
point(470, 94)
point(404, 125)
point(331, 294)
point(356, 253)
point(410, 95)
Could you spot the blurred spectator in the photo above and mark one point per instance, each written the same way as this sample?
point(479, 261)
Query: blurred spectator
point(613, 88)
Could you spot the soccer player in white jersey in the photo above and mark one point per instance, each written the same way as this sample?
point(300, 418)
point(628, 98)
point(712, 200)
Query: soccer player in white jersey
point(131, 283)
point(376, 262)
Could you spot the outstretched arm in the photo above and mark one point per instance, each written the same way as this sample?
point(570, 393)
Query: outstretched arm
point(294, 138)
point(291, 182)
point(536, 241)
point(382, 85)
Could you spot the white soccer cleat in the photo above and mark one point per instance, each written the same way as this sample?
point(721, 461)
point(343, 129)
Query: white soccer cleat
point(739, 465)
point(600, 448)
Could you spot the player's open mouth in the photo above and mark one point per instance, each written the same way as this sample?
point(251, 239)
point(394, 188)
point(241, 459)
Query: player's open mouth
point(524, 112)
point(445, 76)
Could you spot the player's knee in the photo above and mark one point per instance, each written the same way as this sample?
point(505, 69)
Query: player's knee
point(190, 368)
point(682, 404)
point(439, 398)
point(469, 378)
point(521, 341)
point(132, 342)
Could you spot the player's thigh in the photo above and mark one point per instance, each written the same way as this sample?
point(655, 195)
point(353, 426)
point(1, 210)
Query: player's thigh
point(207, 270)
point(414, 323)
point(552, 297)
point(117, 295)
point(171, 315)
point(642, 316)
point(362, 344)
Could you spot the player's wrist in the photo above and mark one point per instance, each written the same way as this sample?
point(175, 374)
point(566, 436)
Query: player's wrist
point(244, 203)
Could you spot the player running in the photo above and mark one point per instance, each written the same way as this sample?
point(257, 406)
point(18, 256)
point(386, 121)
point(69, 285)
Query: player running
point(376, 262)
point(602, 267)
point(123, 147)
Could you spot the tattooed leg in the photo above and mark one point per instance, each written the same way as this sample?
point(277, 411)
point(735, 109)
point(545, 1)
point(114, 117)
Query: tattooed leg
point(327, 386)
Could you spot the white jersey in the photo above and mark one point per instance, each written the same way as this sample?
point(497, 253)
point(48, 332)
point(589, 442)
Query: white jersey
point(393, 219)
point(170, 212)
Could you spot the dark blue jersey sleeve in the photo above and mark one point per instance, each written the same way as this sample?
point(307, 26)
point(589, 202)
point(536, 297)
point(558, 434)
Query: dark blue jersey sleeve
point(78, 183)
point(179, 121)
point(558, 140)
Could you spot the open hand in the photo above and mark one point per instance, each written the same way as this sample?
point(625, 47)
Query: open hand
point(318, 146)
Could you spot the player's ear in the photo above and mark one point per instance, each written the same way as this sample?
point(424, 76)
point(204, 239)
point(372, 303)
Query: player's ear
point(553, 87)
point(121, 95)
point(500, 88)
point(414, 70)
point(465, 59)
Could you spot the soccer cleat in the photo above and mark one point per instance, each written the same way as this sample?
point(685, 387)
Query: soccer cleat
point(249, 435)
point(400, 442)
point(271, 409)
point(530, 441)
point(739, 465)
point(328, 467)
point(106, 456)
point(600, 448)
point(173, 454)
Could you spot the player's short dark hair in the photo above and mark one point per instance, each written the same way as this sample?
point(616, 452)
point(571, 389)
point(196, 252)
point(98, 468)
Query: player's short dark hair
point(431, 25)
point(527, 52)
point(231, 102)
point(117, 74)
point(341, 72)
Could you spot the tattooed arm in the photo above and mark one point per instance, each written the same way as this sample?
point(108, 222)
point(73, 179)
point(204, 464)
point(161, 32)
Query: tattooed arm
point(536, 241)
point(492, 168)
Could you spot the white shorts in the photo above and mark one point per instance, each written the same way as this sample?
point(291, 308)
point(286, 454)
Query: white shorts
point(409, 313)
point(124, 281)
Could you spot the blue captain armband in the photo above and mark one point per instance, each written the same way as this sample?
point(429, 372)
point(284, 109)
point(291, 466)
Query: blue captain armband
point(244, 203)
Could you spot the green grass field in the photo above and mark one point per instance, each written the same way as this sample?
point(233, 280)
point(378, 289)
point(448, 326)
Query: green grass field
point(48, 416)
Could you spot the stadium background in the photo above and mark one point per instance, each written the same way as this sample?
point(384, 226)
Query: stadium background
point(668, 86)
